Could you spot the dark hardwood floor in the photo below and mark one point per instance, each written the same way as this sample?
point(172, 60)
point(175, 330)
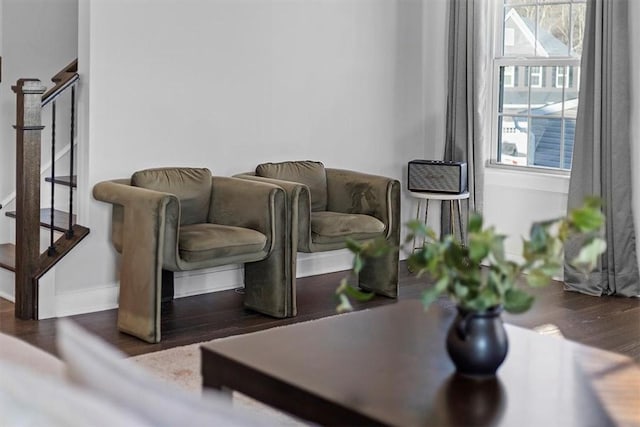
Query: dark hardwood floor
point(610, 323)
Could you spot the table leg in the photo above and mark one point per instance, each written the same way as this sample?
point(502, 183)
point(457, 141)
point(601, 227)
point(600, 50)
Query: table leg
point(460, 222)
point(424, 221)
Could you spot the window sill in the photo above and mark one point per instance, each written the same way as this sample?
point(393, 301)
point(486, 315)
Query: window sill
point(527, 178)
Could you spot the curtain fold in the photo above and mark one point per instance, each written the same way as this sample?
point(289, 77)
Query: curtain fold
point(602, 153)
point(468, 116)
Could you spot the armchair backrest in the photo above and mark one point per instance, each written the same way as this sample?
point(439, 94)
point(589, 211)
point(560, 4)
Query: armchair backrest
point(312, 174)
point(192, 187)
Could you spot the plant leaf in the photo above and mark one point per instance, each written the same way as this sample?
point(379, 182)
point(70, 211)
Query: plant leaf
point(358, 263)
point(517, 301)
point(460, 290)
point(345, 304)
point(589, 255)
point(357, 293)
point(538, 238)
point(538, 278)
point(586, 218)
point(475, 223)
point(353, 246)
point(478, 247)
point(432, 294)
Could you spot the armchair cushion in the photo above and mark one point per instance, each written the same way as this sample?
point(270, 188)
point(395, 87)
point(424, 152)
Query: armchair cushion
point(312, 174)
point(332, 227)
point(192, 187)
point(201, 242)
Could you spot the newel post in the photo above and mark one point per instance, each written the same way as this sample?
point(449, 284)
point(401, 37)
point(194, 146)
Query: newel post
point(28, 133)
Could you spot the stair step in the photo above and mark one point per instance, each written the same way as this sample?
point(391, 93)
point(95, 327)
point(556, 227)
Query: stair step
point(60, 219)
point(69, 181)
point(62, 247)
point(8, 256)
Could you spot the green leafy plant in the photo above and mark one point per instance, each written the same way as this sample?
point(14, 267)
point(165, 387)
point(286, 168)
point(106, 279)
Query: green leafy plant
point(477, 276)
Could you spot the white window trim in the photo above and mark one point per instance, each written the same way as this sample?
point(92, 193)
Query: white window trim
point(511, 75)
point(539, 74)
point(560, 72)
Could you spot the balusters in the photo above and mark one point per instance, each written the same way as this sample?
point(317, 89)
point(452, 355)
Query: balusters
point(52, 250)
point(69, 232)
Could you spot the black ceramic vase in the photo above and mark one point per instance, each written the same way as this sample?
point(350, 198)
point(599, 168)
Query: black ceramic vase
point(477, 342)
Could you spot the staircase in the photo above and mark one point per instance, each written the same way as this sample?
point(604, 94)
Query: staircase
point(25, 258)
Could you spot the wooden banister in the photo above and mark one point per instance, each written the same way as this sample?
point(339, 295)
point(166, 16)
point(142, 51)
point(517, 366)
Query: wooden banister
point(62, 79)
point(30, 264)
point(28, 132)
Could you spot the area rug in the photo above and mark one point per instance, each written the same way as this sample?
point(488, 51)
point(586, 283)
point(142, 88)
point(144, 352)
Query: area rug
point(181, 366)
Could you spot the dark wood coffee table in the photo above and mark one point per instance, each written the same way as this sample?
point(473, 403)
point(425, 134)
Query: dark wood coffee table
point(389, 366)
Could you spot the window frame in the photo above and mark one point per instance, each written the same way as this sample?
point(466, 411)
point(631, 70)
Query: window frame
point(499, 60)
point(560, 72)
point(539, 74)
point(512, 75)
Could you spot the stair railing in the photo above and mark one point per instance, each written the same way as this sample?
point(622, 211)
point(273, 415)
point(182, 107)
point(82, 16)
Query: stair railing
point(52, 250)
point(28, 133)
point(30, 264)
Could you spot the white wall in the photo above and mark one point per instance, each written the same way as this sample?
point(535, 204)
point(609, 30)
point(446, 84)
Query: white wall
point(38, 38)
point(228, 84)
point(513, 200)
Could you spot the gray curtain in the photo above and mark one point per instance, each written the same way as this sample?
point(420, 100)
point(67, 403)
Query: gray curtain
point(601, 157)
point(468, 115)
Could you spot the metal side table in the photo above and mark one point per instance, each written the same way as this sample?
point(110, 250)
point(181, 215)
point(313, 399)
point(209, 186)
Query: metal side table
point(454, 199)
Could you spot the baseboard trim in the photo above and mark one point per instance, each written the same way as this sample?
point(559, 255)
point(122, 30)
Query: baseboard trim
point(7, 283)
point(187, 283)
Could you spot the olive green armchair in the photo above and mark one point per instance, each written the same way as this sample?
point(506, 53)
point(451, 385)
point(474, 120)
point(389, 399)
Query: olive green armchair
point(178, 219)
point(326, 206)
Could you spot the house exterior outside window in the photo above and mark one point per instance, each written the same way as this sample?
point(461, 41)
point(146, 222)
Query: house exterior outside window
point(560, 80)
point(509, 75)
point(539, 42)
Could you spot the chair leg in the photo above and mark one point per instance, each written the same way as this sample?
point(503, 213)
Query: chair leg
point(139, 300)
point(269, 286)
point(167, 286)
point(380, 274)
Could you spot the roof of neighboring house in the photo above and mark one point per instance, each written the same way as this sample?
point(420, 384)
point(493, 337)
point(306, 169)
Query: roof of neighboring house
point(551, 45)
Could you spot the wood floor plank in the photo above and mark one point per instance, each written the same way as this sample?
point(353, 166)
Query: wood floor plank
point(609, 323)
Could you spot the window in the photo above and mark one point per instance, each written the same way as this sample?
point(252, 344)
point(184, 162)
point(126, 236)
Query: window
point(535, 76)
point(560, 81)
point(508, 76)
point(540, 41)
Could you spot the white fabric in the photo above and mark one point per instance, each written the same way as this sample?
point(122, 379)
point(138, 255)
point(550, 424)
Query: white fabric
point(21, 353)
point(28, 398)
point(94, 365)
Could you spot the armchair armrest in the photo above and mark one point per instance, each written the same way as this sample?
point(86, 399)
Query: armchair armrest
point(161, 210)
point(356, 192)
point(145, 227)
point(242, 203)
point(298, 202)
